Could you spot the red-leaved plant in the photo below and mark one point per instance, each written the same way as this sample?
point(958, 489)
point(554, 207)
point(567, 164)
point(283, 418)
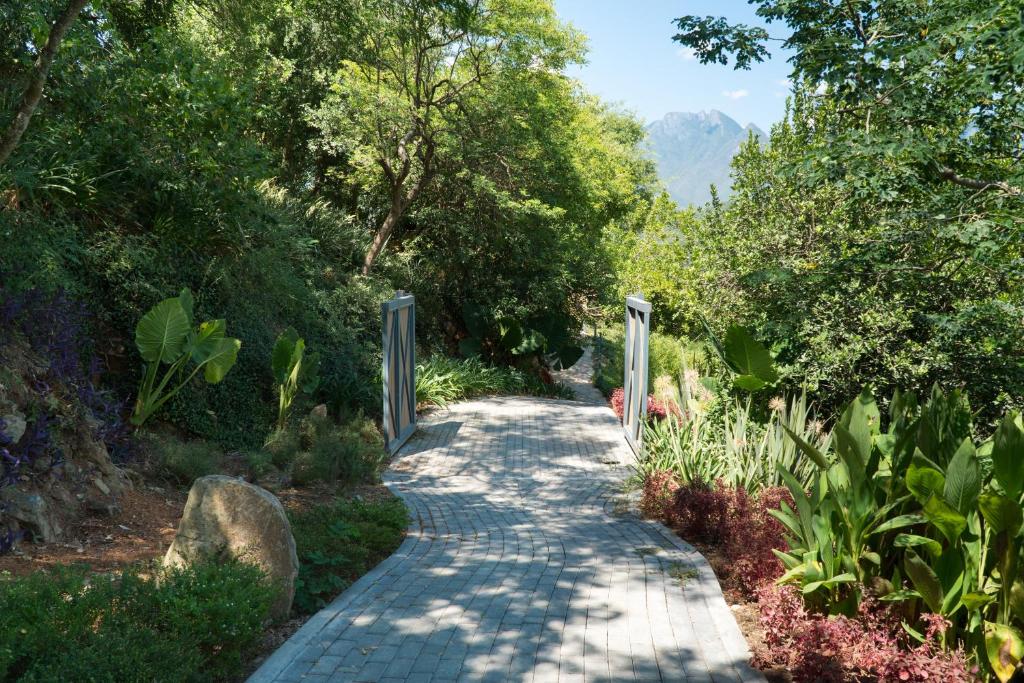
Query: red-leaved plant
point(726, 518)
point(838, 649)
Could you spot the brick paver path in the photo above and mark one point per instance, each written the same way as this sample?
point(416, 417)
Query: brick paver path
point(522, 563)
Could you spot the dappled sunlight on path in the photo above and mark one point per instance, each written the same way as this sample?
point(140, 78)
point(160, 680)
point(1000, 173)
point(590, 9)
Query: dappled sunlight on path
point(522, 563)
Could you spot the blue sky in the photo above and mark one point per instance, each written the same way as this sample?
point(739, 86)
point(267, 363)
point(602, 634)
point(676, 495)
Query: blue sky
point(632, 60)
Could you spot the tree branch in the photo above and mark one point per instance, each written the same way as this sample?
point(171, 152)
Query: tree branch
point(40, 71)
point(948, 174)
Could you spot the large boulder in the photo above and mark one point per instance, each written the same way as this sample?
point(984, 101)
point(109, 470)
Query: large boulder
point(225, 516)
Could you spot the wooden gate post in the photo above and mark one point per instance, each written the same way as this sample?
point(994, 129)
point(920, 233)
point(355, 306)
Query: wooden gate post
point(634, 385)
point(398, 317)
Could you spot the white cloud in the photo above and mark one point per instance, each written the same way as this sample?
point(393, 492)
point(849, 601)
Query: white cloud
point(785, 83)
point(735, 94)
point(687, 53)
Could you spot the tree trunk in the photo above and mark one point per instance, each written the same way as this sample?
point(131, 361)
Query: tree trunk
point(383, 235)
point(40, 70)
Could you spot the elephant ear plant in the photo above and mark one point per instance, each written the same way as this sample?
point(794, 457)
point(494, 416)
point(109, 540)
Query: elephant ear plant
point(167, 336)
point(294, 371)
point(924, 515)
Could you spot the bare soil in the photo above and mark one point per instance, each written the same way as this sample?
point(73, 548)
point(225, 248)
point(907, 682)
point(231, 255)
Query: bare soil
point(745, 611)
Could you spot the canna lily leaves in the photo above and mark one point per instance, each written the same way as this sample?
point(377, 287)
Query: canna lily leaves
point(899, 522)
point(933, 547)
point(976, 600)
point(812, 453)
point(1008, 456)
point(925, 481)
point(1001, 513)
point(828, 583)
point(963, 478)
point(925, 580)
point(945, 518)
point(1005, 649)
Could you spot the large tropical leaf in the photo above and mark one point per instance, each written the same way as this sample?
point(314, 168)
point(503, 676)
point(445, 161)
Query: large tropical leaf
point(1005, 648)
point(748, 358)
point(281, 356)
point(221, 360)
point(925, 580)
point(1008, 456)
point(161, 334)
point(963, 478)
point(945, 518)
point(1001, 513)
point(204, 343)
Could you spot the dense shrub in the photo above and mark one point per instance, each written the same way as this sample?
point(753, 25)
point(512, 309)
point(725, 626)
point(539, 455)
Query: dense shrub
point(839, 649)
point(185, 461)
point(727, 518)
point(657, 409)
point(441, 380)
point(338, 543)
point(193, 624)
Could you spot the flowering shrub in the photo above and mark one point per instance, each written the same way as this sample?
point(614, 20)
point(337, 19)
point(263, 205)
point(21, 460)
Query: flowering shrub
point(656, 408)
point(872, 647)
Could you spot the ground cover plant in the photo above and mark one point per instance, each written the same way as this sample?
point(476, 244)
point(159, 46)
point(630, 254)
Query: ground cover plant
point(340, 542)
point(199, 622)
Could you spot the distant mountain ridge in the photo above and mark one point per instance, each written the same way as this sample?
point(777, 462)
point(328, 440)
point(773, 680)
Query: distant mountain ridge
point(692, 151)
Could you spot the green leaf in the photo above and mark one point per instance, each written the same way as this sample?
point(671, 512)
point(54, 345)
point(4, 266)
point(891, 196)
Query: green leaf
point(963, 478)
point(933, 547)
point(899, 523)
point(976, 600)
point(807, 449)
point(749, 383)
point(1005, 648)
point(925, 482)
point(1008, 456)
point(924, 580)
point(161, 334)
point(747, 356)
point(945, 518)
point(900, 596)
point(221, 359)
point(188, 304)
point(1001, 513)
point(281, 356)
point(206, 342)
point(828, 583)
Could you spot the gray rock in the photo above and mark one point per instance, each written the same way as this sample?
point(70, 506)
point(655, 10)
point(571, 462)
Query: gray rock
point(228, 516)
point(31, 512)
point(13, 426)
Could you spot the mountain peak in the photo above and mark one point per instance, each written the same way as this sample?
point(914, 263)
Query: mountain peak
point(692, 150)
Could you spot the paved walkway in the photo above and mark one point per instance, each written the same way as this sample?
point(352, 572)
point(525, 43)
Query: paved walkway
point(522, 563)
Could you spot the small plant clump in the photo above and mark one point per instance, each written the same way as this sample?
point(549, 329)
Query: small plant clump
point(339, 542)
